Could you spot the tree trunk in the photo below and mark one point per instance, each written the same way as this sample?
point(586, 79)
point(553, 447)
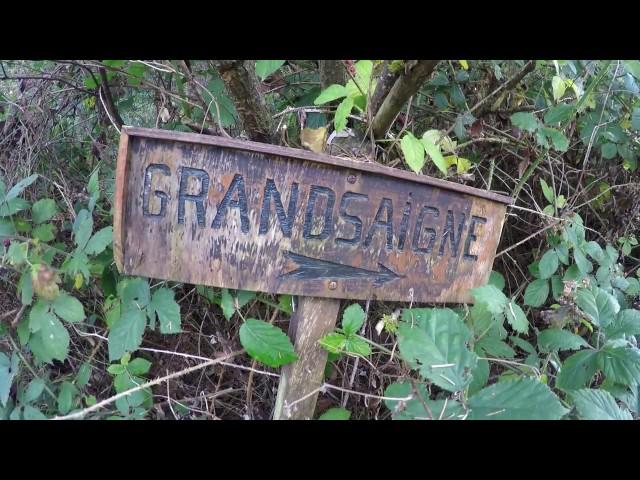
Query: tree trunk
point(331, 72)
point(239, 76)
point(405, 86)
point(385, 82)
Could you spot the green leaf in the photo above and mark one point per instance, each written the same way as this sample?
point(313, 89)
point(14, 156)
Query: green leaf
point(8, 371)
point(553, 339)
point(497, 280)
point(44, 233)
point(333, 342)
point(436, 345)
point(116, 369)
point(635, 119)
point(609, 150)
point(43, 210)
point(342, 112)
point(598, 405)
point(99, 241)
point(68, 308)
point(84, 374)
point(352, 319)
point(516, 318)
point(620, 364)
point(559, 113)
point(331, 93)
point(126, 333)
point(491, 297)
point(139, 366)
point(167, 309)
point(525, 399)
point(547, 191)
point(65, 397)
point(82, 228)
point(266, 343)
point(558, 86)
point(19, 187)
point(627, 322)
point(525, 121)
point(414, 407)
point(495, 347)
point(6, 227)
point(536, 293)
point(600, 307)
point(558, 139)
point(134, 293)
point(32, 413)
point(336, 414)
point(435, 155)
point(557, 287)
point(26, 288)
point(595, 251)
point(226, 302)
point(51, 341)
point(413, 152)
point(577, 370)
point(480, 375)
point(357, 346)
point(548, 264)
point(633, 67)
point(34, 390)
point(264, 68)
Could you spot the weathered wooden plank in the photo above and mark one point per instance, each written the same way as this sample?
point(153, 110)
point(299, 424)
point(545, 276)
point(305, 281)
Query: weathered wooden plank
point(313, 319)
point(244, 215)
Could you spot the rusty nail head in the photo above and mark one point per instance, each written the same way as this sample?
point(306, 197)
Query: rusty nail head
point(351, 178)
point(332, 285)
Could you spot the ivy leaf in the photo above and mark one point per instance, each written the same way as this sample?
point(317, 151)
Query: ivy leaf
point(51, 341)
point(553, 339)
point(620, 364)
point(577, 370)
point(436, 345)
point(352, 319)
point(598, 405)
point(332, 92)
point(266, 343)
point(68, 308)
point(436, 156)
point(336, 414)
point(413, 152)
point(536, 293)
point(342, 112)
point(600, 307)
point(168, 311)
point(126, 333)
point(43, 210)
point(525, 399)
point(548, 264)
point(99, 241)
point(264, 68)
point(525, 121)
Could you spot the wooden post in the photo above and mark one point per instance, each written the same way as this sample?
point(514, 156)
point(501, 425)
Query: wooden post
point(312, 319)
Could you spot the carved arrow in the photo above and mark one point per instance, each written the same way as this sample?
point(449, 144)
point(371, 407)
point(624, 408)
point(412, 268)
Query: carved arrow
point(314, 268)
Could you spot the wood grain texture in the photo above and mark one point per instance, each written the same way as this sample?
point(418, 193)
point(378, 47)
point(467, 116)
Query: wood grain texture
point(313, 319)
point(215, 211)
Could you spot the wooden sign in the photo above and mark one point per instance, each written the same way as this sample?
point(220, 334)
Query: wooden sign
point(243, 215)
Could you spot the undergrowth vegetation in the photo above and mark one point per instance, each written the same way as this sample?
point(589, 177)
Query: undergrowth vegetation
point(552, 335)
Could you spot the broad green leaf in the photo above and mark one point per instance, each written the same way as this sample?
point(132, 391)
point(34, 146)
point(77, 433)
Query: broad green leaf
point(516, 317)
point(495, 347)
point(559, 86)
point(84, 374)
point(264, 68)
point(480, 375)
point(497, 280)
point(598, 405)
point(68, 308)
point(595, 251)
point(333, 342)
point(138, 366)
point(352, 319)
point(363, 68)
point(620, 364)
point(44, 233)
point(559, 113)
point(32, 413)
point(167, 309)
point(432, 136)
point(226, 302)
point(435, 155)
point(8, 371)
point(633, 67)
point(553, 339)
point(26, 288)
point(332, 92)
point(600, 307)
point(557, 287)
point(522, 344)
point(414, 407)
point(99, 241)
point(577, 370)
point(39, 315)
point(536, 293)
point(82, 228)
point(7, 228)
point(65, 397)
point(548, 264)
point(243, 297)
point(464, 64)
point(525, 399)
point(126, 333)
point(547, 191)
point(13, 206)
point(116, 369)
point(413, 152)
point(34, 390)
point(43, 210)
point(266, 343)
point(336, 413)
point(492, 297)
point(436, 345)
point(627, 322)
point(19, 187)
point(609, 150)
point(525, 121)
point(134, 293)
point(342, 112)
point(357, 346)
point(51, 341)
point(558, 139)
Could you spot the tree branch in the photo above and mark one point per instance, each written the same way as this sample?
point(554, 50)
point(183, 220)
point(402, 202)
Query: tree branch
point(385, 83)
point(405, 86)
point(110, 106)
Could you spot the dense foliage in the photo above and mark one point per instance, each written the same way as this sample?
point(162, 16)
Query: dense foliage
point(553, 335)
